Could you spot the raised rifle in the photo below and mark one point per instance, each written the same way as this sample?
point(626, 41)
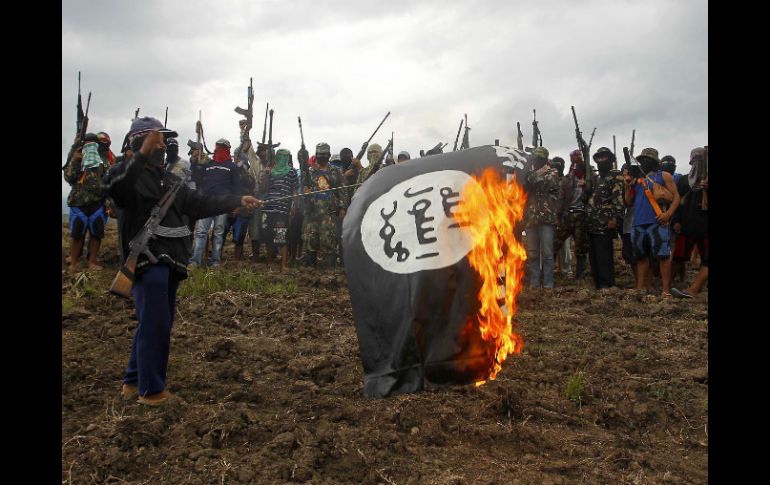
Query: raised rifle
point(165, 120)
point(466, 141)
point(633, 137)
point(457, 138)
point(84, 123)
point(585, 150)
point(535, 131)
point(634, 168)
point(248, 113)
point(519, 136)
point(433, 151)
point(615, 153)
point(302, 155)
point(376, 166)
point(80, 114)
point(270, 142)
point(362, 152)
point(124, 280)
point(591, 140)
point(136, 113)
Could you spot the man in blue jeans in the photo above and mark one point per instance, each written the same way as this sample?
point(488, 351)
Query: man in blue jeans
point(221, 177)
point(650, 230)
point(136, 186)
point(541, 182)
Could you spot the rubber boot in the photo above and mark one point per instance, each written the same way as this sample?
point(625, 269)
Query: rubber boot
point(238, 249)
point(580, 269)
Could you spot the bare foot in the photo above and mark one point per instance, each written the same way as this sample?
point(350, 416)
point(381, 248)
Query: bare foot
point(73, 268)
point(94, 267)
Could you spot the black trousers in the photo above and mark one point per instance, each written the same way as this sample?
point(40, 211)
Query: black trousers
point(602, 258)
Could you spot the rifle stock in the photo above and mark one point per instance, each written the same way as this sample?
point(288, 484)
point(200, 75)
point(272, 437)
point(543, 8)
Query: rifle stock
point(124, 280)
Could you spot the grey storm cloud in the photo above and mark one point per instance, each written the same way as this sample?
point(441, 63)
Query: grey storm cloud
point(341, 65)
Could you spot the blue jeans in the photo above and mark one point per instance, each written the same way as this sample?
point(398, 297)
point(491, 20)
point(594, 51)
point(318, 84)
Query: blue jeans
point(201, 234)
point(540, 244)
point(154, 295)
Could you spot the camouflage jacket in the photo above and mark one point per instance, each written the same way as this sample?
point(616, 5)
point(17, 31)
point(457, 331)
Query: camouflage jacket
point(328, 202)
point(605, 203)
point(86, 185)
point(542, 196)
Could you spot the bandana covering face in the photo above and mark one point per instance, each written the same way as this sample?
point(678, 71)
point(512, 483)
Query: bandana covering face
point(91, 158)
point(697, 168)
point(374, 153)
point(222, 154)
point(281, 167)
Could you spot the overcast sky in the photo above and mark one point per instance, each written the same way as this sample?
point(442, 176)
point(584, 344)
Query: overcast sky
point(341, 65)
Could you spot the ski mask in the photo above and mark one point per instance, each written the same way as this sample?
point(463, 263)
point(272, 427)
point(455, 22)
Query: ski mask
point(374, 152)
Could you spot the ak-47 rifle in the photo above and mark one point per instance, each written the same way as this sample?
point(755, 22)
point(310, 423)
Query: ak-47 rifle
point(586, 152)
point(249, 111)
point(302, 156)
point(634, 168)
point(633, 137)
point(376, 166)
point(535, 131)
point(362, 152)
point(614, 153)
point(433, 151)
point(165, 120)
point(80, 114)
point(84, 123)
point(591, 140)
point(457, 138)
point(519, 136)
point(392, 142)
point(124, 280)
point(466, 141)
point(201, 140)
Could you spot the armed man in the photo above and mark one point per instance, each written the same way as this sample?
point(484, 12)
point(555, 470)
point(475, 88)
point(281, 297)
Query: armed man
point(241, 222)
point(572, 212)
point(83, 171)
point(322, 210)
point(372, 154)
point(137, 186)
point(604, 214)
point(541, 181)
point(176, 164)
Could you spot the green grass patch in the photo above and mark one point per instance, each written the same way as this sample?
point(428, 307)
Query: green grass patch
point(575, 387)
point(205, 282)
point(67, 304)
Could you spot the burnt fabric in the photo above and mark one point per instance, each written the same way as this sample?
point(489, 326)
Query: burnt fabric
point(413, 291)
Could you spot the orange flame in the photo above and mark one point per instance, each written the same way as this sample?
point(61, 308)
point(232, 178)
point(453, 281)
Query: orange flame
point(490, 209)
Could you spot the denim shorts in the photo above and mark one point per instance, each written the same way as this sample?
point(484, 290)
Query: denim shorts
point(651, 240)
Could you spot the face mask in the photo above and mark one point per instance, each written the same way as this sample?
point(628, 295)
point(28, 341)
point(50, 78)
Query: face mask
point(172, 152)
point(648, 165)
point(373, 156)
point(104, 147)
point(604, 166)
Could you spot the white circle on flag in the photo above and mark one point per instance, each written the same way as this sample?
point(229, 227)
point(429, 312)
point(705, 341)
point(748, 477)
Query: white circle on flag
point(410, 228)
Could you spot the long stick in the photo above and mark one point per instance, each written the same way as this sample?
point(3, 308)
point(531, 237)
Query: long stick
point(311, 193)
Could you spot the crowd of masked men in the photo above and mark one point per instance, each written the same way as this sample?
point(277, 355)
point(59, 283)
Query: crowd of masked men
point(562, 210)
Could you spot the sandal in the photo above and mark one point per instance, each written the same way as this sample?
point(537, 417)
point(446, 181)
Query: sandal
point(680, 293)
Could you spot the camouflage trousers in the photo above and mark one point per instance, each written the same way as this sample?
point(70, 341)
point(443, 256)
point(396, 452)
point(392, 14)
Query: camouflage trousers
point(319, 233)
point(573, 225)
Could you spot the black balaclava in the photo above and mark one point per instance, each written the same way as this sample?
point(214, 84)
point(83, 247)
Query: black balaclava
point(648, 164)
point(538, 162)
point(346, 157)
point(604, 166)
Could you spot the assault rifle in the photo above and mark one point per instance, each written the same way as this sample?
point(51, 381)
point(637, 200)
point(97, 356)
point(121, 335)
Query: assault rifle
point(165, 120)
point(270, 160)
point(80, 114)
point(264, 128)
point(248, 113)
point(457, 138)
point(633, 136)
point(519, 136)
point(634, 167)
point(466, 141)
point(615, 153)
point(124, 280)
point(584, 148)
point(433, 151)
point(84, 123)
point(302, 155)
point(536, 136)
point(366, 143)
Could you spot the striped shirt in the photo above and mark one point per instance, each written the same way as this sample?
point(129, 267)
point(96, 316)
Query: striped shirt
point(280, 187)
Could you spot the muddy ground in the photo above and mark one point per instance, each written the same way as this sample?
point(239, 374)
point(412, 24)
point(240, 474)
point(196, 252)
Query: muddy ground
point(611, 387)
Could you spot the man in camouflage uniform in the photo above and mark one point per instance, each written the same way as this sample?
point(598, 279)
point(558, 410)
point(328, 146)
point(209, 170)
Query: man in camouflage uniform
point(372, 154)
point(572, 212)
point(322, 210)
point(84, 171)
point(604, 215)
point(541, 182)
